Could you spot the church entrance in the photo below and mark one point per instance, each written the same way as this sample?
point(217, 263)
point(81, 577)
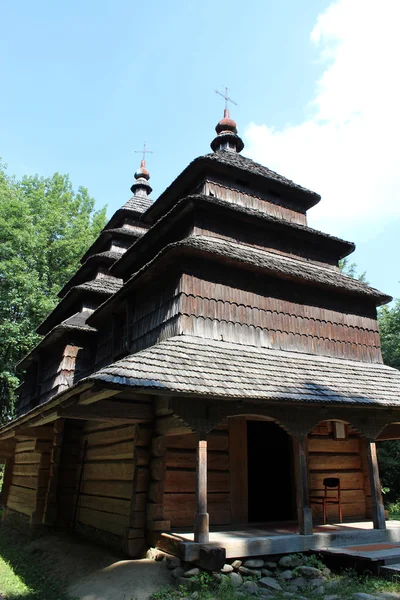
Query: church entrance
point(270, 473)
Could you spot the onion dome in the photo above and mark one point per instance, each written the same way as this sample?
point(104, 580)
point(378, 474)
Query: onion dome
point(141, 187)
point(227, 138)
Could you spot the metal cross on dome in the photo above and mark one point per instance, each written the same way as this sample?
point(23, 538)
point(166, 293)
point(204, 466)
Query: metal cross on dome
point(144, 151)
point(226, 97)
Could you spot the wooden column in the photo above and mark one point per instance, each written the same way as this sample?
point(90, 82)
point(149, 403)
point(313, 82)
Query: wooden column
point(304, 514)
point(201, 524)
point(378, 511)
point(51, 507)
point(238, 475)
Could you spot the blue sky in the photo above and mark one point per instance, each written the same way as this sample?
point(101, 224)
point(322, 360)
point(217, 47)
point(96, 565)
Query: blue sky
point(85, 83)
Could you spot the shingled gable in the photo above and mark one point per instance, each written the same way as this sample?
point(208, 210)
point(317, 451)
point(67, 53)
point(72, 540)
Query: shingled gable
point(227, 307)
point(233, 166)
point(187, 213)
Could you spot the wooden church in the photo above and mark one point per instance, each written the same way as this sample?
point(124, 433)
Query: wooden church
point(208, 366)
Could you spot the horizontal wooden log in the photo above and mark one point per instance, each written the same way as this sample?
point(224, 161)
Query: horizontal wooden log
point(28, 446)
point(109, 505)
point(339, 462)
point(104, 521)
point(348, 496)
point(23, 494)
point(353, 480)
point(121, 450)
point(154, 511)
point(95, 395)
point(349, 446)
point(356, 509)
point(27, 482)
point(41, 433)
point(28, 470)
point(111, 489)
point(171, 426)
point(185, 481)
point(217, 461)
point(216, 440)
point(187, 502)
point(134, 412)
point(19, 507)
point(110, 436)
point(30, 458)
point(118, 471)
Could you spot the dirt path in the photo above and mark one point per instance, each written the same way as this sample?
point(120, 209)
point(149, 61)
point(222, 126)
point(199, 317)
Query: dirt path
point(93, 573)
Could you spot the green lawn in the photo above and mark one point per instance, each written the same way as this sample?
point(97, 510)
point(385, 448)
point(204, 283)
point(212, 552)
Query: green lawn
point(21, 572)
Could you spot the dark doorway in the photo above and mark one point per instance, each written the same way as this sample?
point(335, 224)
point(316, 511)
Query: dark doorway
point(269, 472)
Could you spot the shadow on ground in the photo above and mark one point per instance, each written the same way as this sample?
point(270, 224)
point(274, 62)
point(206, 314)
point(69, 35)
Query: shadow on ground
point(58, 566)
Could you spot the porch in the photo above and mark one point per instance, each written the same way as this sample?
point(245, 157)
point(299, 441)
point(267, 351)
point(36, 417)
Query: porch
point(279, 538)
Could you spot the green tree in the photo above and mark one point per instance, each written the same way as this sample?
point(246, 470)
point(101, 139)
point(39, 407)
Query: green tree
point(389, 327)
point(45, 227)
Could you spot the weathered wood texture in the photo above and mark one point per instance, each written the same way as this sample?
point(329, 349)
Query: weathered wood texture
point(51, 504)
point(179, 496)
point(114, 478)
point(240, 194)
point(337, 458)
point(238, 469)
point(29, 477)
point(273, 319)
point(68, 470)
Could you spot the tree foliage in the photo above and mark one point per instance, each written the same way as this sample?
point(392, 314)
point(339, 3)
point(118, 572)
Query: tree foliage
point(45, 227)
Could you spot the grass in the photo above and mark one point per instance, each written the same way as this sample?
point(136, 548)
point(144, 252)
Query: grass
point(21, 572)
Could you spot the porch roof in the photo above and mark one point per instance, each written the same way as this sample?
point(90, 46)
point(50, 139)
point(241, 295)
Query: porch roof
point(195, 366)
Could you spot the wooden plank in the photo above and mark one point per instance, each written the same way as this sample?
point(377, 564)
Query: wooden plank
point(103, 521)
point(352, 480)
point(22, 508)
point(30, 458)
point(111, 436)
point(109, 505)
point(94, 395)
point(353, 509)
point(217, 440)
point(8, 474)
point(28, 470)
point(171, 426)
point(110, 489)
point(133, 412)
point(349, 446)
point(390, 432)
point(340, 462)
point(175, 459)
point(119, 471)
point(40, 433)
point(121, 450)
point(24, 494)
point(28, 446)
point(185, 481)
point(238, 469)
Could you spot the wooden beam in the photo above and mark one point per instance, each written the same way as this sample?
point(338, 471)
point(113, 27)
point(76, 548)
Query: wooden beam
point(94, 395)
point(171, 425)
point(6, 481)
point(105, 410)
point(378, 511)
point(237, 427)
point(304, 514)
point(391, 432)
point(201, 523)
point(40, 433)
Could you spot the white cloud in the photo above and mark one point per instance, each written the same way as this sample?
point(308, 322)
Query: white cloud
point(348, 151)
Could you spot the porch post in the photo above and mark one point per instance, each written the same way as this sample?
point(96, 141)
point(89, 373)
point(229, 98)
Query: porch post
point(378, 511)
point(201, 524)
point(304, 514)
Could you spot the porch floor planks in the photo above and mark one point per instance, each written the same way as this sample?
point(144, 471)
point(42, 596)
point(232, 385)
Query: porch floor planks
point(268, 539)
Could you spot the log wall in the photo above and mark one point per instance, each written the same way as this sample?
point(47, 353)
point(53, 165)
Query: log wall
point(180, 479)
point(328, 457)
point(112, 478)
point(29, 478)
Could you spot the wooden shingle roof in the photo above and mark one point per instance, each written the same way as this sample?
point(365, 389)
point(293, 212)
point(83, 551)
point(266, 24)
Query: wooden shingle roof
point(195, 366)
